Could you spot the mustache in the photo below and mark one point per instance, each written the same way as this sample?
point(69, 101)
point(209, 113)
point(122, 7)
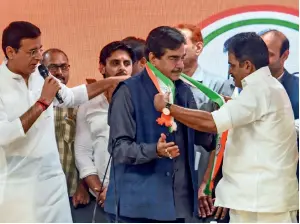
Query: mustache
point(60, 77)
point(177, 70)
point(121, 73)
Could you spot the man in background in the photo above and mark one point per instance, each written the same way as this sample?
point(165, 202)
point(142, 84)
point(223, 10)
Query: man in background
point(138, 47)
point(194, 48)
point(58, 65)
point(279, 46)
point(92, 130)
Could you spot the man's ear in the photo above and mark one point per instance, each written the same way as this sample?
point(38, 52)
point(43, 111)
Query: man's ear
point(199, 48)
point(143, 62)
point(10, 52)
point(152, 59)
point(284, 56)
point(249, 67)
point(101, 68)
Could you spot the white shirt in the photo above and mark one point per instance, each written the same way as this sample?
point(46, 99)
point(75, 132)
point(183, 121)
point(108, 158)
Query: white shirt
point(259, 166)
point(91, 141)
point(32, 183)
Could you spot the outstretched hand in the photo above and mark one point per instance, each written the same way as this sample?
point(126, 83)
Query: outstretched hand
point(166, 149)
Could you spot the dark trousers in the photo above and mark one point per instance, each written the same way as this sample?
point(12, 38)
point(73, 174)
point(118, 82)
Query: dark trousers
point(121, 219)
point(84, 213)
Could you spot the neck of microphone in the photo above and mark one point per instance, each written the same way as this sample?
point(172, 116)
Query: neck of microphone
point(43, 71)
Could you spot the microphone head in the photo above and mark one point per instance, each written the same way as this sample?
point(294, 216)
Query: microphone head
point(43, 71)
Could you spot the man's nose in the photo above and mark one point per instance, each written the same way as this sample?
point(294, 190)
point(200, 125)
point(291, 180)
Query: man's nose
point(59, 71)
point(122, 67)
point(180, 64)
point(39, 56)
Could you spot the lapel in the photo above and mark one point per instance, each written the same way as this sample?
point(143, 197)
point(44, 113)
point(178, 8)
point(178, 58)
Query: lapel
point(180, 93)
point(148, 85)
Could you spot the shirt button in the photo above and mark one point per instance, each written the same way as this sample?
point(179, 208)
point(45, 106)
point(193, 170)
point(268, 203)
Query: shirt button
point(168, 174)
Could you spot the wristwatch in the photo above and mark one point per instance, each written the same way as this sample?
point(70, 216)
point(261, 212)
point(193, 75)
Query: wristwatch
point(166, 109)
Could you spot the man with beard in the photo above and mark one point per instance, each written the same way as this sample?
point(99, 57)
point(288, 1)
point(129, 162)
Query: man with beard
point(153, 177)
point(92, 130)
point(259, 181)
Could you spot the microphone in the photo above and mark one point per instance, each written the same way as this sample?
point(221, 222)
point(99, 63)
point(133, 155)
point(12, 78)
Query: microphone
point(44, 73)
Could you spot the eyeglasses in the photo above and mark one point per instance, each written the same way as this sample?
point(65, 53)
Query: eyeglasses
point(33, 53)
point(55, 68)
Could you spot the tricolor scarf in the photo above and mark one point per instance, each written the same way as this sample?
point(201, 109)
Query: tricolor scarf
point(168, 120)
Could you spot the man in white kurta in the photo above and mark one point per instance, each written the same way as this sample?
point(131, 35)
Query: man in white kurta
point(262, 146)
point(259, 182)
point(32, 181)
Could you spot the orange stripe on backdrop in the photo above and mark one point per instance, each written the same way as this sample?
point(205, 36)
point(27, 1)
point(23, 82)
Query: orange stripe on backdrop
point(81, 28)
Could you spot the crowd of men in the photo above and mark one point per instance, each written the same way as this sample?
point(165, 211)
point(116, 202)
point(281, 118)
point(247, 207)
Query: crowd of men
point(104, 156)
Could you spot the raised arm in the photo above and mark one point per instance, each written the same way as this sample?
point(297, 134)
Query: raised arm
point(17, 128)
point(80, 94)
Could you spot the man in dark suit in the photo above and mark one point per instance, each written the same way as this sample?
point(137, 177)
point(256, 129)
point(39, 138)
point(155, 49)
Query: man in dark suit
point(278, 46)
point(153, 176)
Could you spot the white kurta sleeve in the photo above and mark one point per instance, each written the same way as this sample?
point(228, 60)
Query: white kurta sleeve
point(9, 130)
point(244, 109)
point(72, 97)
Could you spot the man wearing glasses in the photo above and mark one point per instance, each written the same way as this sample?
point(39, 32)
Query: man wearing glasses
point(57, 63)
point(32, 182)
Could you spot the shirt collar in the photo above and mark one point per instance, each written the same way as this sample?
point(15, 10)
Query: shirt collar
point(280, 77)
point(9, 72)
point(256, 76)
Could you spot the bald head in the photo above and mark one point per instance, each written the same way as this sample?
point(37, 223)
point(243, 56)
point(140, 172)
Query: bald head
point(57, 63)
point(49, 52)
point(275, 35)
point(278, 46)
